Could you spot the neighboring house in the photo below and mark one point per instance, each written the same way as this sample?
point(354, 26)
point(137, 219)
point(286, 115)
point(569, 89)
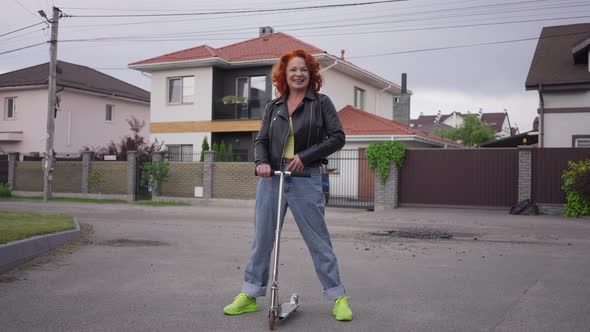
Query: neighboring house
point(560, 72)
point(361, 129)
point(189, 88)
point(498, 122)
point(93, 108)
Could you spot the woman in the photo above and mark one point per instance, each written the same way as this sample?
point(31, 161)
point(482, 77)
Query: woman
point(299, 129)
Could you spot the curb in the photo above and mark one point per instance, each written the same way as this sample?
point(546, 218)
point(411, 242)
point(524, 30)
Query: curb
point(17, 252)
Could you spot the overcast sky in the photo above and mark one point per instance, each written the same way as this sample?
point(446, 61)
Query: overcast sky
point(463, 79)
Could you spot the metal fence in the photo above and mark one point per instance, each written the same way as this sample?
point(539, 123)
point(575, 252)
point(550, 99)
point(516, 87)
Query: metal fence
point(548, 166)
point(351, 182)
point(471, 177)
point(3, 168)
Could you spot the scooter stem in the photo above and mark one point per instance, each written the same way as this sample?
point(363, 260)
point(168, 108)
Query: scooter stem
point(274, 288)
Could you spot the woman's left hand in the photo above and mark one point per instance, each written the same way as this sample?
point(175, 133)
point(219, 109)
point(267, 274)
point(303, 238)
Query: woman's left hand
point(295, 164)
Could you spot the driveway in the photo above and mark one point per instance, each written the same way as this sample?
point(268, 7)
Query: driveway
point(141, 268)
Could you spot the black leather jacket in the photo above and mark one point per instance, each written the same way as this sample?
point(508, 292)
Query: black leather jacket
point(317, 129)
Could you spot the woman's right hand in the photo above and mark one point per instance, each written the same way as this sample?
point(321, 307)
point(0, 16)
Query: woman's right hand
point(263, 170)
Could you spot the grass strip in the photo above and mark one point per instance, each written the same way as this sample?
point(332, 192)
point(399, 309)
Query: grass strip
point(21, 225)
point(162, 203)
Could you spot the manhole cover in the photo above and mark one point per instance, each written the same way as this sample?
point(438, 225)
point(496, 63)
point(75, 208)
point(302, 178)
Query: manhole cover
point(133, 243)
point(430, 234)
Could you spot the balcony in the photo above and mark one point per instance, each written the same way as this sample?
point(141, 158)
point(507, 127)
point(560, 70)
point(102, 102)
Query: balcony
point(250, 110)
point(11, 136)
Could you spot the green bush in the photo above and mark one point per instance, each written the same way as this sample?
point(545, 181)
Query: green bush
point(576, 185)
point(154, 174)
point(5, 190)
point(380, 155)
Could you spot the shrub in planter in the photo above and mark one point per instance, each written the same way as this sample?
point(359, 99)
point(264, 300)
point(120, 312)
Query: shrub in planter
point(5, 190)
point(576, 185)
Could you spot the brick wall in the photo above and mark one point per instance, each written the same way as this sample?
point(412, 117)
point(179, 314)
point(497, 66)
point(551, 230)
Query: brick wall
point(115, 176)
point(29, 176)
point(67, 177)
point(234, 180)
point(182, 179)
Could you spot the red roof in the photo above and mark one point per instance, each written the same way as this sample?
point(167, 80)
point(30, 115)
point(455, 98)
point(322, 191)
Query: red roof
point(266, 47)
point(357, 122)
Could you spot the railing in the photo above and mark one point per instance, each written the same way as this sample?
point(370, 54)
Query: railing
point(252, 110)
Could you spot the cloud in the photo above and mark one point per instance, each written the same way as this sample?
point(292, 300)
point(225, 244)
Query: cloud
point(522, 107)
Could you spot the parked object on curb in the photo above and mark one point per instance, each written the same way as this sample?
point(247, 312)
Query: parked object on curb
point(526, 207)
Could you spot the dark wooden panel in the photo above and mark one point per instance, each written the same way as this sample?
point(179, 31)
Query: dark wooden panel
point(474, 177)
point(548, 166)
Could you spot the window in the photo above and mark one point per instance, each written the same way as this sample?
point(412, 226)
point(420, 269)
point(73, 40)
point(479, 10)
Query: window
point(10, 108)
point(359, 98)
point(181, 90)
point(253, 91)
point(396, 100)
point(582, 142)
point(109, 113)
point(179, 152)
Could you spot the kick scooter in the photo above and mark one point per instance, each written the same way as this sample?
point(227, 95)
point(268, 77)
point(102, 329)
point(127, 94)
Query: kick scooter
point(276, 310)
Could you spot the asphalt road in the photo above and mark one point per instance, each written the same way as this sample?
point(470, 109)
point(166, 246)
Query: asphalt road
point(174, 268)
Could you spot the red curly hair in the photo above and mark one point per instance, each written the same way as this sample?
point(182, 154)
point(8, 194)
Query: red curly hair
point(279, 71)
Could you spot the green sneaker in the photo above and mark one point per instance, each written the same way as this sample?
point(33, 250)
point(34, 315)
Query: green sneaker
point(242, 304)
point(342, 311)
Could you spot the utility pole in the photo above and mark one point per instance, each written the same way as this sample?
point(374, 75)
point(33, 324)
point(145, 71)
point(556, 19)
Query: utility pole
point(49, 160)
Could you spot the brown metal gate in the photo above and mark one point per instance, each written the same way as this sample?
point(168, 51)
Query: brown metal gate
point(548, 165)
point(3, 168)
point(468, 177)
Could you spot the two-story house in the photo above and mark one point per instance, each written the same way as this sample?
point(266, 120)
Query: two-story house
point(499, 122)
point(92, 111)
point(560, 72)
point(221, 92)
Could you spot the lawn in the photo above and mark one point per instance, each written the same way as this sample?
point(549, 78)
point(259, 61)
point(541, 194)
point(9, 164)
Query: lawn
point(19, 225)
point(68, 199)
point(162, 203)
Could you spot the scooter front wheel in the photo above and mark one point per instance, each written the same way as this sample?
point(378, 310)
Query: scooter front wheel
point(272, 318)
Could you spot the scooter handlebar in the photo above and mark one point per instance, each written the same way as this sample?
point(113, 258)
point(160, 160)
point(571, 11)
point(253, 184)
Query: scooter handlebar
point(296, 174)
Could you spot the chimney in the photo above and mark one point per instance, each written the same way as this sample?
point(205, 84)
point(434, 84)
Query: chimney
point(263, 31)
point(401, 104)
point(342, 54)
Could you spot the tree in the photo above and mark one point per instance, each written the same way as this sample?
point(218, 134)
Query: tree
point(473, 132)
point(96, 180)
point(222, 152)
point(133, 142)
point(154, 174)
point(204, 147)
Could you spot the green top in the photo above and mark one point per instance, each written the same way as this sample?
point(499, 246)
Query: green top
point(289, 150)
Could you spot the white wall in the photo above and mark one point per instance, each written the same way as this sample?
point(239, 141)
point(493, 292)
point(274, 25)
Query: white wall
point(559, 128)
point(199, 110)
point(82, 117)
point(564, 99)
point(454, 121)
point(31, 119)
point(340, 88)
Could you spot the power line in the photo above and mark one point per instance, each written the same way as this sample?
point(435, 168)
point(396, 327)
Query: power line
point(466, 45)
point(245, 11)
point(182, 37)
point(22, 48)
point(27, 9)
point(17, 30)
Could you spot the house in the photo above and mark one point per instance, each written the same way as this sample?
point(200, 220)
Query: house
point(530, 137)
point(560, 72)
point(93, 108)
point(499, 122)
point(221, 92)
point(353, 178)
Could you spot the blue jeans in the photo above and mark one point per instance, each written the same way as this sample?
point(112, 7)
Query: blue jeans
point(306, 201)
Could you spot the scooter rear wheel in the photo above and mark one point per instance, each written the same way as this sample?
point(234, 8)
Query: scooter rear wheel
point(272, 318)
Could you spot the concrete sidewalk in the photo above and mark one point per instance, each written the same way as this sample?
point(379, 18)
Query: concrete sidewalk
point(174, 268)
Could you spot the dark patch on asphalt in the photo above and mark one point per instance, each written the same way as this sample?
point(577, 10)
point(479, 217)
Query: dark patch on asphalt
point(424, 234)
point(133, 243)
